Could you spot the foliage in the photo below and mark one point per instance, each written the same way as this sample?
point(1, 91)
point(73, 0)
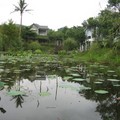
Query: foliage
point(62, 34)
point(70, 44)
point(38, 51)
point(116, 43)
point(1, 42)
point(15, 93)
point(62, 52)
point(22, 5)
point(34, 45)
point(28, 34)
point(55, 35)
point(91, 24)
point(114, 4)
point(9, 37)
point(106, 19)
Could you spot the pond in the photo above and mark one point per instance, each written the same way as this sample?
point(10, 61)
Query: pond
point(51, 91)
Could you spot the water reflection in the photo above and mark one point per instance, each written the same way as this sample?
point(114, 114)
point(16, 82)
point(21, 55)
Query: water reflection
point(107, 105)
point(38, 78)
point(2, 110)
point(18, 100)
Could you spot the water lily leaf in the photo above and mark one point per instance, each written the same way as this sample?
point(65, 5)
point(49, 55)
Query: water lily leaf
point(113, 80)
point(75, 75)
point(1, 70)
point(69, 86)
point(51, 76)
point(67, 77)
point(111, 71)
point(17, 71)
point(117, 85)
point(15, 93)
point(95, 74)
point(101, 91)
point(78, 79)
point(85, 88)
point(2, 84)
point(98, 82)
point(44, 93)
point(101, 80)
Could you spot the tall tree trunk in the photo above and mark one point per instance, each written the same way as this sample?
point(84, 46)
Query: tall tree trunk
point(20, 25)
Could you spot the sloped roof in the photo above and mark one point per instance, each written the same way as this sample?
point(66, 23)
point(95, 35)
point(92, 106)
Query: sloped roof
point(39, 26)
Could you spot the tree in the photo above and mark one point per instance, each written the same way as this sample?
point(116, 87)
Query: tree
point(34, 45)
point(114, 4)
point(28, 34)
point(70, 44)
point(22, 5)
point(91, 24)
point(109, 25)
point(9, 36)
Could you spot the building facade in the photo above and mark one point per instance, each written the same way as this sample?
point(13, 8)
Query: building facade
point(40, 30)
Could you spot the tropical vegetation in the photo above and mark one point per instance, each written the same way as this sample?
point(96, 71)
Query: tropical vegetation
point(67, 41)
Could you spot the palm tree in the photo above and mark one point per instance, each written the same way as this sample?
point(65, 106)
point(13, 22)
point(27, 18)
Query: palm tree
point(22, 5)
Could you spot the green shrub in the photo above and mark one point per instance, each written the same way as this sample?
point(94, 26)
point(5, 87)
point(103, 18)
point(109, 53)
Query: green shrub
point(38, 51)
point(94, 47)
point(1, 42)
point(70, 44)
point(34, 45)
point(62, 52)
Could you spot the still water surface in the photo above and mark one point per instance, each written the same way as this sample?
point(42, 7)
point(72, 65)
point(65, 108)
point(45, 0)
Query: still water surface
point(61, 104)
point(49, 96)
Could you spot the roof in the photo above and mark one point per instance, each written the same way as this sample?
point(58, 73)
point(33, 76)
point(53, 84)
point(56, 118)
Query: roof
point(39, 26)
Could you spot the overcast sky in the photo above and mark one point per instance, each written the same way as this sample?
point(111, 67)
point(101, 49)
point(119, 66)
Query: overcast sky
point(53, 13)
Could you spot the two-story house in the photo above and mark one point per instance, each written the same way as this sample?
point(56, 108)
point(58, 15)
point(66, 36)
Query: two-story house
point(40, 30)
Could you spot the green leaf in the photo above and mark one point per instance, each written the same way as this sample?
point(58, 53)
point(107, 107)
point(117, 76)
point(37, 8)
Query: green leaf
point(98, 82)
point(75, 75)
point(78, 79)
point(44, 93)
point(69, 86)
point(2, 84)
point(117, 85)
point(15, 93)
point(101, 91)
point(113, 80)
point(67, 77)
point(84, 88)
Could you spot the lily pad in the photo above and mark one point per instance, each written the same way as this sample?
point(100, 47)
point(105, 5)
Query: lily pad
point(84, 88)
point(101, 91)
point(67, 77)
point(15, 93)
point(44, 93)
point(17, 71)
point(69, 86)
point(2, 84)
point(78, 79)
point(111, 71)
point(117, 85)
point(101, 80)
point(113, 80)
point(98, 82)
point(75, 75)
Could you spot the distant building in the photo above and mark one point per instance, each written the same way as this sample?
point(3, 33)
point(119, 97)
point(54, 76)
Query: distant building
point(40, 30)
point(89, 40)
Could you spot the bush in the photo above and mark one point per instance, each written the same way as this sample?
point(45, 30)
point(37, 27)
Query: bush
point(95, 47)
point(62, 52)
point(1, 42)
point(38, 51)
point(34, 45)
point(70, 44)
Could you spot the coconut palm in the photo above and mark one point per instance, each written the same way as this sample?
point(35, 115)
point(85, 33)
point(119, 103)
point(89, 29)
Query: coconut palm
point(22, 5)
